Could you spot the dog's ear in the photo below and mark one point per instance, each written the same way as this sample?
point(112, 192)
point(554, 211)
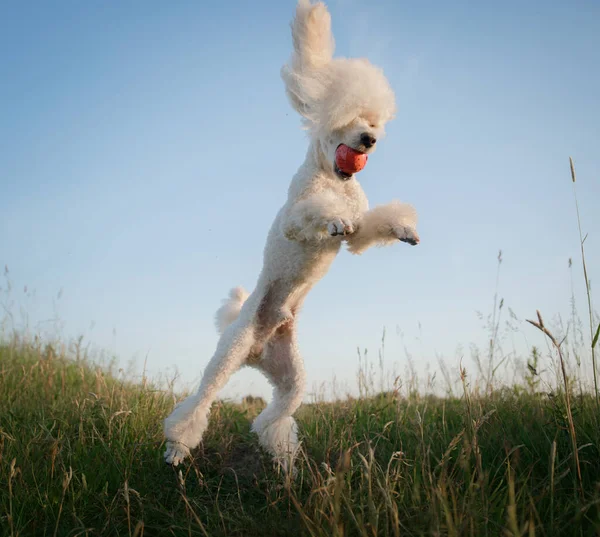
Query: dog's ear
point(301, 92)
point(312, 37)
point(305, 74)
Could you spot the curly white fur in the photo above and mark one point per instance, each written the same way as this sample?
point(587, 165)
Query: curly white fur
point(383, 225)
point(341, 101)
point(230, 309)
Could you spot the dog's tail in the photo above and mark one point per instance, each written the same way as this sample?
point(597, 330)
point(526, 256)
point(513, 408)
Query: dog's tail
point(230, 309)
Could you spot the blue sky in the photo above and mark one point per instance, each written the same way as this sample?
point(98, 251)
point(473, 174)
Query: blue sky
point(146, 147)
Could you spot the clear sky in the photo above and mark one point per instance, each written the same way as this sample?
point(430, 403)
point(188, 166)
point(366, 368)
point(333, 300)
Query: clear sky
point(145, 148)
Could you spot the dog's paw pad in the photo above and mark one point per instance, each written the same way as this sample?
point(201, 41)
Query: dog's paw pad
point(339, 226)
point(176, 453)
point(407, 234)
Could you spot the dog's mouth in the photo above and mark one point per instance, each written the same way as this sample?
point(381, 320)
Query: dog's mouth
point(348, 161)
point(342, 175)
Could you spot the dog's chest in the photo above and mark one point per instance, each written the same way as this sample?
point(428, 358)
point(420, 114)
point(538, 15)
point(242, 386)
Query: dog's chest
point(354, 197)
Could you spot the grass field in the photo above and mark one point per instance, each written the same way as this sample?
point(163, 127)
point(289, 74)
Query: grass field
point(81, 454)
point(81, 451)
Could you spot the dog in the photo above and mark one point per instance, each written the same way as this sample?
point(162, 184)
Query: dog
point(344, 104)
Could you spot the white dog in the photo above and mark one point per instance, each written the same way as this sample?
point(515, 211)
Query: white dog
point(344, 103)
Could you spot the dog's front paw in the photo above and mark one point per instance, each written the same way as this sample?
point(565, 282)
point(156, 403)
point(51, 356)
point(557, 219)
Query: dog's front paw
point(175, 453)
point(340, 226)
point(407, 234)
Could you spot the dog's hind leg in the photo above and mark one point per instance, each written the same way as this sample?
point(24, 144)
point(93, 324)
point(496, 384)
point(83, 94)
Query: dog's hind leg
point(185, 426)
point(283, 366)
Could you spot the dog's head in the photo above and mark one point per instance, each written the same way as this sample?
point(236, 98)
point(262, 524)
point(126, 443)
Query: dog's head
point(342, 101)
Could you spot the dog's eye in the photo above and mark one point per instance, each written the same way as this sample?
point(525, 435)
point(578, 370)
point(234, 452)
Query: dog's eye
point(373, 126)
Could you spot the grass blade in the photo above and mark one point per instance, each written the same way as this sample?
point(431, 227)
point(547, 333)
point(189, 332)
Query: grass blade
point(595, 340)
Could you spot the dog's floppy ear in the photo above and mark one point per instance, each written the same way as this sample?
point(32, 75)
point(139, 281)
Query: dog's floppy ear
point(295, 96)
point(304, 75)
point(311, 34)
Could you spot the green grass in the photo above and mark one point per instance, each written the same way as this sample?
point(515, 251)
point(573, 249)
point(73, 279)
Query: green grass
point(81, 454)
point(81, 451)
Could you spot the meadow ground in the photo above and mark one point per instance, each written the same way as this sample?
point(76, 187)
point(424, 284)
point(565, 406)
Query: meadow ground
point(81, 451)
point(81, 454)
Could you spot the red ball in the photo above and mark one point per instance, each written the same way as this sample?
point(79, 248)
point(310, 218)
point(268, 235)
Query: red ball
point(349, 160)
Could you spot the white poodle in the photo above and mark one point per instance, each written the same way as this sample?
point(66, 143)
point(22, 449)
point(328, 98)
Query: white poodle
point(345, 104)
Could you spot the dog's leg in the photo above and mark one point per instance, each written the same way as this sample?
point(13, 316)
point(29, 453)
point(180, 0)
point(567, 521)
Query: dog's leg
point(186, 424)
point(319, 216)
point(383, 225)
point(283, 366)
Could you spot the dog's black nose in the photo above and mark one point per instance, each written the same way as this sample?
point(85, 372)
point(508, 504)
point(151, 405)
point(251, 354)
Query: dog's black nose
point(368, 140)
